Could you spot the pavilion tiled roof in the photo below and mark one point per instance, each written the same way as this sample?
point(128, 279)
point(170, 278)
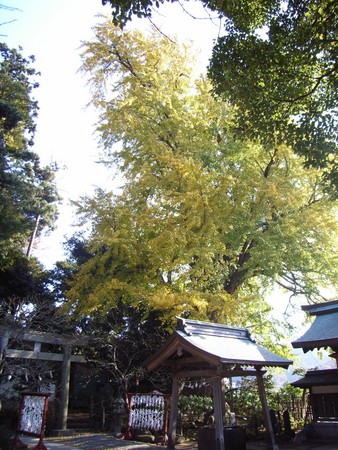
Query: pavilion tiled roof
point(195, 344)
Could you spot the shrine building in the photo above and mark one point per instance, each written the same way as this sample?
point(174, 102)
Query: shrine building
point(322, 384)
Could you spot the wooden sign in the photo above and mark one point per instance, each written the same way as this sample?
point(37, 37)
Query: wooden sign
point(32, 418)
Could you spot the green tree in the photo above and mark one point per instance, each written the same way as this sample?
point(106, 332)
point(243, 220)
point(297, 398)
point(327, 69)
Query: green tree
point(283, 79)
point(121, 338)
point(277, 62)
point(28, 195)
point(205, 223)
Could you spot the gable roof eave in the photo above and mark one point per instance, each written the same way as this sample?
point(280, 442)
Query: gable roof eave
point(171, 346)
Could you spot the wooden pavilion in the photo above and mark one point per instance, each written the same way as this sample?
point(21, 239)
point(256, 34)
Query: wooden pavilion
point(201, 350)
point(322, 384)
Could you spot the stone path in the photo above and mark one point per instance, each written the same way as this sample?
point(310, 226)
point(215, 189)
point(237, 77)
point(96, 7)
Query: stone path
point(105, 441)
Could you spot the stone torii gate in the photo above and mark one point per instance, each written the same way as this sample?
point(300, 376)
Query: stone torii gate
point(213, 351)
point(36, 339)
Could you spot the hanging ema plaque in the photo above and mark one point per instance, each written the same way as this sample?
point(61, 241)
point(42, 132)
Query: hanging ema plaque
point(148, 412)
point(32, 418)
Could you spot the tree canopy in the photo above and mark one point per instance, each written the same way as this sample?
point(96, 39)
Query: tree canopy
point(277, 61)
point(121, 338)
point(28, 194)
point(283, 78)
point(205, 222)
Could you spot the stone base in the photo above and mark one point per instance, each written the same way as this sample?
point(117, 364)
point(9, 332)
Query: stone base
point(62, 433)
point(234, 438)
point(325, 430)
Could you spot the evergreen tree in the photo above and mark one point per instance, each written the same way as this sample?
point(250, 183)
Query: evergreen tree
point(28, 195)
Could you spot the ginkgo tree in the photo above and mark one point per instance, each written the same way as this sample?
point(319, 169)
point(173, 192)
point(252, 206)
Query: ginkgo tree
point(205, 224)
point(276, 60)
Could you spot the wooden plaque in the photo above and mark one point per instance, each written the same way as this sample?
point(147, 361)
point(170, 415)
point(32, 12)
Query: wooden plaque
point(32, 418)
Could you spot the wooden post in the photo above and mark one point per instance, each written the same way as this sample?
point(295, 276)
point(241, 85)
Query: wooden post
point(173, 414)
point(218, 411)
point(269, 430)
point(64, 395)
point(3, 344)
point(165, 427)
point(127, 435)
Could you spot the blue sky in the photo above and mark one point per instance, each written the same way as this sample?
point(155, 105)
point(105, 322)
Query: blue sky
point(52, 31)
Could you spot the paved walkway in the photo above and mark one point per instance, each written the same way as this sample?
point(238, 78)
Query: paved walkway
point(104, 441)
point(97, 441)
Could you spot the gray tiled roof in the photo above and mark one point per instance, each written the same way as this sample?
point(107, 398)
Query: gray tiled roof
point(230, 344)
point(217, 344)
point(321, 308)
point(323, 332)
point(318, 378)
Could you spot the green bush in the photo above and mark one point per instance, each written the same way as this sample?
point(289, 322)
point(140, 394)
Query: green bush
point(242, 398)
point(194, 407)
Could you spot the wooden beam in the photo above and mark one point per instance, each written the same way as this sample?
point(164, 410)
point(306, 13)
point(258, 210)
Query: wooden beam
point(183, 361)
point(30, 354)
point(210, 373)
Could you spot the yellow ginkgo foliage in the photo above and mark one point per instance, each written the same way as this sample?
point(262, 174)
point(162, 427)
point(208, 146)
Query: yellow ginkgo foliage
point(205, 224)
